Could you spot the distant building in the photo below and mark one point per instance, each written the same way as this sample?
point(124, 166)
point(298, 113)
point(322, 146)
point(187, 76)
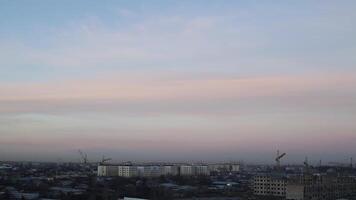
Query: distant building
point(117, 170)
point(14, 194)
point(152, 170)
point(194, 170)
point(127, 171)
point(201, 170)
point(107, 170)
point(224, 167)
point(235, 167)
point(170, 170)
point(186, 170)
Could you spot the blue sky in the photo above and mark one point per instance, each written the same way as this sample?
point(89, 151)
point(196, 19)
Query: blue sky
point(163, 70)
point(308, 36)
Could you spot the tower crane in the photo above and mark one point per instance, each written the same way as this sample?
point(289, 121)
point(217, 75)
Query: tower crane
point(278, 158)
point(306, 164)
point(84, 156)
point(103, 160)
point(351, 163)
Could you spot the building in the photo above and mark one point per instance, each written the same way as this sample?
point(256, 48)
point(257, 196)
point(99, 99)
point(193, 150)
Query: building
point(107, 170)
point(194, 170)
point(152, 170)
point(117, 170)
point(127, 171)
point(201, 170)
point(270, 185)
point(224, 167)
point(186, 170)
point(169, 170)
point(235, 167)
point(320, 187)
point(295, 191)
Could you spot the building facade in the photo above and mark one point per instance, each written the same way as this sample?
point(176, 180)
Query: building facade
point(152, 170)
point(270, 185)
point(320, 187)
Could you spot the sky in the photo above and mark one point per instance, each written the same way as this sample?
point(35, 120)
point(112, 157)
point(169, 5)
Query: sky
point(178, 80)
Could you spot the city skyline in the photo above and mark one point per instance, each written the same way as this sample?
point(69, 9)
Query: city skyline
point(178, 80)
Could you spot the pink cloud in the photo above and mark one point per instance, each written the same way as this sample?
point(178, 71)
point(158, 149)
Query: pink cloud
point(131, 88)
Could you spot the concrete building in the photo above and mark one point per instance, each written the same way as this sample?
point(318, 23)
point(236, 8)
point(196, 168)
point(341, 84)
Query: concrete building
point(224, 167)
point(152, 170)
point(270, 185)
point(295, 191)
point(117, 170)
point(127, 171)
point(320, 187)
point(149, 171)
point(201, 170)
point(186, 170)
point(169, 170)
point(107, 170)
point(156, 170)
point(235, 167)
point(194, 170)
point(134, 170)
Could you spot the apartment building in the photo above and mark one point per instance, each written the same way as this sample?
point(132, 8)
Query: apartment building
point(170, 170)
point(224, 167)
point(127, 171)
point(152, 170)
point(201, 170)
point(186, 170)
point(107, 170)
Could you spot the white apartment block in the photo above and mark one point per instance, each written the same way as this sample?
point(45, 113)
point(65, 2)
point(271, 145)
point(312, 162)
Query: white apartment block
point(201, 170)
point(235, 167)
point(186, 170)
point(152, 170)
point(127, 171)
point(169, 170)
point(192, 170)
point(117, 170)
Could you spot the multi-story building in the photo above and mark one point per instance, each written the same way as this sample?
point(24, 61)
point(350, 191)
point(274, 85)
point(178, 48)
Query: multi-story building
point(127, 171)
point(117, 170)
point(201, 170)
point(270, 185)
point(157, 170)
point(169, 170)
point(152, 170)
point(186, 170)
point(320, 187)
point(107, 170)
point(224, 167)
point(235, 167)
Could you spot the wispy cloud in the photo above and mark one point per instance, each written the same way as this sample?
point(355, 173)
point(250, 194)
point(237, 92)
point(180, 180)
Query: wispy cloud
point(174, 90)
point(154, 78)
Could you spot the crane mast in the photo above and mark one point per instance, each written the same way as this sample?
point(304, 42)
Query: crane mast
point(84, 156)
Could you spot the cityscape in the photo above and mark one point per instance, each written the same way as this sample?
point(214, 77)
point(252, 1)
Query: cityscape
point(188, 181)
point(177, 100)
